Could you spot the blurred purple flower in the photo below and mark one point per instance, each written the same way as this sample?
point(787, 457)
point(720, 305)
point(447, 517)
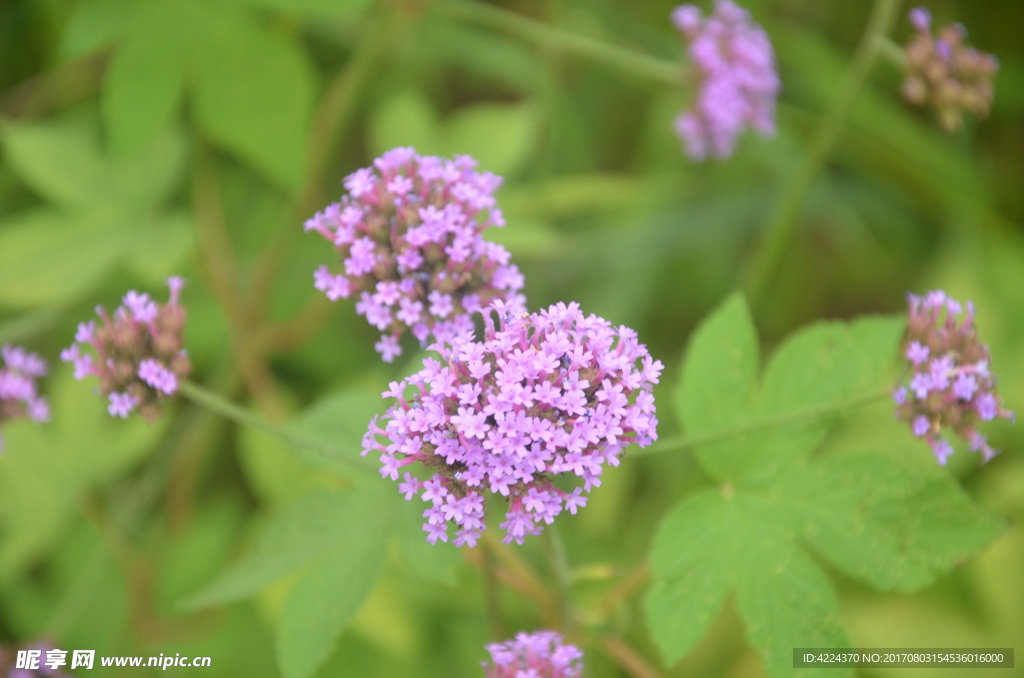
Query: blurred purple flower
point(139, 356)
point(19, 394)
point(410, 236)
point(534, 655)
point(737, 82)
point(951, 385)
point(544, 394)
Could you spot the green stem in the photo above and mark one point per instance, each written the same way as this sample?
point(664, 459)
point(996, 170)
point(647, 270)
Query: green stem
point(560, 568)
point(29, 325)
point(893, 53)
point(240, 415)
point(781, 225)
point(621, 58)
point(686, 442)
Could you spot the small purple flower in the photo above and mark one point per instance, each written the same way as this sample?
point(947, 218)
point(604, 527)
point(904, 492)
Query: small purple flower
point(946, 74)
point(737, 82)
point(951, 384)
point(410, 235)
point(19, 394)
point(546, 394)
point(542, 654)
point(139, 358)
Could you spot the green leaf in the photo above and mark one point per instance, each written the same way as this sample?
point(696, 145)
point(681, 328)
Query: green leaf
point(500, 136)
point(438, 562)
point(717, 380)
point(332, 7)
point(406, 119)
point(765, 430)
point(96, 23)
point(254, 93)
point(157, 248)
point(46, 258)
point(325, 600)
point(881, 521)
point(712, 545)
point(144, 78)
point(299, 535)
point(46, 469)
point(340, 421)
point(61, 162)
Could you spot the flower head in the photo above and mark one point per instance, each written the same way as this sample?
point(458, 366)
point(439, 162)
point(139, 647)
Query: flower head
point(19, 394)
point(945, 73)
point(138, 357)
point(950, 384)
point(546, 394)
point(534, 655)
point(737, 82)
point(409, 233)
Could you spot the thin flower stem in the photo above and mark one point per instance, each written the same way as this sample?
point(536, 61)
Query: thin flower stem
point(28, 325)
point(240, 415)
point(686, 442)
point(621, 58)
point(893, 53)
point(781, 224)
point(628, 659)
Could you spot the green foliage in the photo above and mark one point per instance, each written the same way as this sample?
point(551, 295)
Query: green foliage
point(871, 516)
point(105, 211)
point(500, 136)
point(237, 66)
point(47, 471)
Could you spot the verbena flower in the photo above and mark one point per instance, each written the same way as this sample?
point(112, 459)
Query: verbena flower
point(534, 655)
point(410, 235)
point(950, 384)
point(946, 74)
point(737, 82)
point(138, 358)
point(546, 394)
point(19, 394)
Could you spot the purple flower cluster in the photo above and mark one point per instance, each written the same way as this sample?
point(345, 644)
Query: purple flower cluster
point(737, 82)
point(945, 73)
point(951, 384)
point(544, 394)
point(19, 395)
point(140, 357)
point(409, 233)
point(534, 655)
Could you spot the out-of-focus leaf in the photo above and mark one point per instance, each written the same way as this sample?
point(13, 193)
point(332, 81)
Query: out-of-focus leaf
point(244, 70)
point(500, 136)
point(96, 23)
point(46, 469)
point(157, 248)
point(144, 78)
point(340, 421)
point(406, 119)
point(108, 212)
point(438, 562)
point(331, 7)
point(60, 162)
point(46, 258)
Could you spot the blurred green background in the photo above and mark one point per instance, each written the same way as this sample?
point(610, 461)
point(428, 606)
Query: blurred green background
point(140, 139)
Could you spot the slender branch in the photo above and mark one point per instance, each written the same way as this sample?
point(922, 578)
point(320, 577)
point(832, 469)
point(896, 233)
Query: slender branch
point(628, 658)
point(893, 53)
point(28, 325)
point(544, 35)
point(240, 415)
point(636, 578)
point(686, 442)
point(524, 579)
point(781, 224)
